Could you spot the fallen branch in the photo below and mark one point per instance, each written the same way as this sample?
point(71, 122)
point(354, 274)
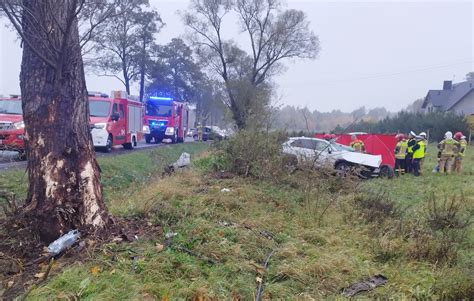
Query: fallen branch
point(192, 253)
point(43, 279)
point(258, 295)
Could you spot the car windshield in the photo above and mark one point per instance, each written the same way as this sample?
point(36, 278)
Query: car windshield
point(11, 107)
point(99, 108)
point(154, 109)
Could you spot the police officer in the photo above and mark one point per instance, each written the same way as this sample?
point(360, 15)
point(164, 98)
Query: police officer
point(448, 147)
point(400, 154)
point(459, 137)
point(423, 139)
point(418, 155)
point(409, 155)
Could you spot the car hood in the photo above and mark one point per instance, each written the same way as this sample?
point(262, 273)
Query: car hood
point(362, 159)
point(10, 118)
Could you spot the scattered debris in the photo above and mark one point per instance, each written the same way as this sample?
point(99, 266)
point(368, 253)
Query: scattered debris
point(225, 190)
point(64, 242)
point(267, 234)
point(159, 247)
point(364, 286)
point(183, 162)
point(170, 234)
point(227, 224)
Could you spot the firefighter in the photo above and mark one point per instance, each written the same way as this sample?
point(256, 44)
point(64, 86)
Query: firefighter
point(418, 155)
point(459, 137)
point(409, 156)
point(400, 154)
point(357, 144)
point(199, 130)
point(448, 148)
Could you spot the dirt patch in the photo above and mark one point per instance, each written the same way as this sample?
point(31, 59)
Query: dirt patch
point(26, 263)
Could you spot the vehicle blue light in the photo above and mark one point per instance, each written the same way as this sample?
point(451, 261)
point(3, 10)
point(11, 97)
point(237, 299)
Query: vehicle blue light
point(160, 98)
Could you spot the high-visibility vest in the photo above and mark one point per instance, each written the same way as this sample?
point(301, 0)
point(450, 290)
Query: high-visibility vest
point(448, 147)
point(462, 147)
point(410, 148)
point(358, 145)
point(401, 149)
point(420, 152)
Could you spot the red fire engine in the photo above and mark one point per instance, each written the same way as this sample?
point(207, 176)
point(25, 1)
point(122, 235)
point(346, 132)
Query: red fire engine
point(165, 120)
point(12, 127)
point(114, 121)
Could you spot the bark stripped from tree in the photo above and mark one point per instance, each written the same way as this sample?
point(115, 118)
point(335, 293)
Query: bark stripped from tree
point(64, 177)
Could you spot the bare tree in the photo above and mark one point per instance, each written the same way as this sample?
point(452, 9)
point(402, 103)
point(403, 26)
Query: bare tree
point(275, 35)
point(123, 46)
point(64, 178)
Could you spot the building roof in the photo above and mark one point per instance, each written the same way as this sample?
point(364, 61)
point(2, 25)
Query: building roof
point(447, 99)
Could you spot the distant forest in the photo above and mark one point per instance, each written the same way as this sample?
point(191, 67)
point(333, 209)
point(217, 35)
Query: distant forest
point(294, 119)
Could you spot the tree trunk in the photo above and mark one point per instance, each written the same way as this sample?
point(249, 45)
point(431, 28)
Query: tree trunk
point(64, 178)
point(142, 71)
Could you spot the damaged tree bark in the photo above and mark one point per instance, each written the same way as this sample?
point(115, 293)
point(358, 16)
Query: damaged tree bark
point(64, 178)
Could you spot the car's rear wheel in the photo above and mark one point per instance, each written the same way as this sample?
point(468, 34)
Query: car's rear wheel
point(131, 145)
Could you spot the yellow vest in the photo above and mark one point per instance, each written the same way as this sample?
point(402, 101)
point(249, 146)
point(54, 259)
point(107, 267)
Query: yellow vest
point(462, 147)
point(402, 149)
point(420, 153)
point(358, 145)
point(410, 148)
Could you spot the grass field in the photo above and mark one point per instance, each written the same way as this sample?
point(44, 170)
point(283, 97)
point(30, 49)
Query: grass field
point(321, 239)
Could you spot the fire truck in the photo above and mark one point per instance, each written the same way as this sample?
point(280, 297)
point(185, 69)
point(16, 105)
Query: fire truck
point(165, 120)
point(12, 127)
point(117, 120)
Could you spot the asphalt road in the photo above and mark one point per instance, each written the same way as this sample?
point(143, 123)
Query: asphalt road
point(8, 159)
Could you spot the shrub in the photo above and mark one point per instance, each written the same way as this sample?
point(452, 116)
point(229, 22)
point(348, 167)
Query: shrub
point(376, 207)
point(250, 154)
point(439, 236)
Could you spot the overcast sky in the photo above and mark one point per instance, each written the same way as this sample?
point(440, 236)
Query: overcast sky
point(373, 54)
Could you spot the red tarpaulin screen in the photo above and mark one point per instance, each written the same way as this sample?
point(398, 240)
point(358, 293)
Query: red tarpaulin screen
point(375, 144)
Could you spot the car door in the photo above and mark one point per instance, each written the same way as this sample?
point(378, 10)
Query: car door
point(318, 150)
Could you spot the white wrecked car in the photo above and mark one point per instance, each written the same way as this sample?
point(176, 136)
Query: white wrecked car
point(330, 154)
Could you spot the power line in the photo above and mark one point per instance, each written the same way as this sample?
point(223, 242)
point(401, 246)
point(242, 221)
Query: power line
point(390, 74)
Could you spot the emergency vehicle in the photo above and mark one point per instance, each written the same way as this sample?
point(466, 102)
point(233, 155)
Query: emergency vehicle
point(165, 120)
point(12, 127)
point(114, 121)
point(117, 120)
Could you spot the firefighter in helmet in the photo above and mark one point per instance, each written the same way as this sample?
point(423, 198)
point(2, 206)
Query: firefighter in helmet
point(461, 139)
point(199, 130)
point(357, 144)
point(409, 156)
point(400, 154)
point(327, 137)
point(448, 147)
